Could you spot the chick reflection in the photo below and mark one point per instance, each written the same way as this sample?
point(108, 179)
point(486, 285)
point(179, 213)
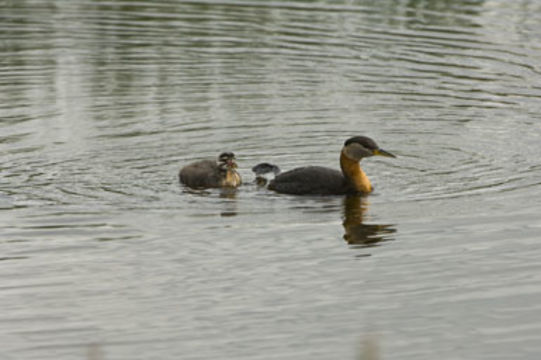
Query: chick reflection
point(358, 234)
point(230, 206)
point(228, 198)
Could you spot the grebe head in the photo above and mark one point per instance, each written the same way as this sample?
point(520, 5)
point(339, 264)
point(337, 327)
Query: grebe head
point(226, 161)
point(359, 147)
point(265, 168)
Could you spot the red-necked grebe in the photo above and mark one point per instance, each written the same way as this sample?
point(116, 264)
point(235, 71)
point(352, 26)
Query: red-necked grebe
point(317, 180)
point(211, 174)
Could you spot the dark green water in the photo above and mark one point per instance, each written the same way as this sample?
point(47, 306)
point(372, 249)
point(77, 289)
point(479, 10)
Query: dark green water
point(103, 255)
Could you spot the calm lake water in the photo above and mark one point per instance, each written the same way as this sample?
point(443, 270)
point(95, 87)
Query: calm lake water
point(103, 255)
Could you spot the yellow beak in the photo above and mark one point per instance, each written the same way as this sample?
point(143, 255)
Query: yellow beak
point(382, 152)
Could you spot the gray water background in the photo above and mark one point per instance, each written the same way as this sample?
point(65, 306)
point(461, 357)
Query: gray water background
point(104, 255)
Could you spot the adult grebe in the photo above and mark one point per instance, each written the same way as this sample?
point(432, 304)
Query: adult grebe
point(317, 180)
point(211, 174)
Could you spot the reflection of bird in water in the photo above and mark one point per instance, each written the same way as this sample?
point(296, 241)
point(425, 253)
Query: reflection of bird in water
point(317, 180)
point(211, 174)
point(357, 233)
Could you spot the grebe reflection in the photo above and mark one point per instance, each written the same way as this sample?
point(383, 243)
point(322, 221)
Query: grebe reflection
point(356, 233)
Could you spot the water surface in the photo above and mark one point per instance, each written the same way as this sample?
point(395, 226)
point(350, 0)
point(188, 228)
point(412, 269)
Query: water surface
point(104, 255)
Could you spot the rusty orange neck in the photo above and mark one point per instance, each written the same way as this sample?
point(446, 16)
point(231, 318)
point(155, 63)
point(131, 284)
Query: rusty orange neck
point(353, 172)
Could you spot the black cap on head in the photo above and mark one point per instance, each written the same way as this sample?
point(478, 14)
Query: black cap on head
point(265, 168)
point(226, 156)
point(364, 141)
